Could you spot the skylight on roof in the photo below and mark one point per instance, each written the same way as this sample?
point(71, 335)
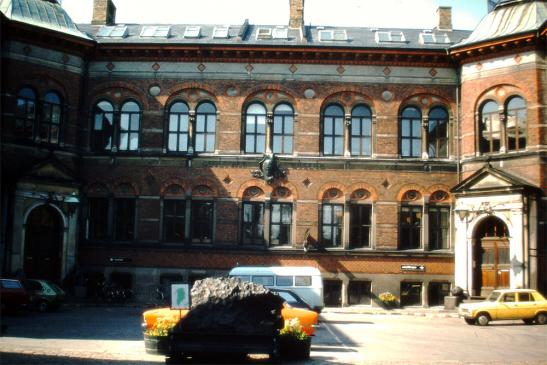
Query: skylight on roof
point(396, 37)
point(155, 31)
point(117, 31)
point(333, 35)
point(221, 32)
point(430, 38)
point(192, 31)
point(280, 33)
point(264, 33)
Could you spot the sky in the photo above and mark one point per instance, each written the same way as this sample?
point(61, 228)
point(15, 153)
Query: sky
point(359, 13)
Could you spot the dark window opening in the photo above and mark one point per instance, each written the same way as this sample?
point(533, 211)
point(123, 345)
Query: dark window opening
point(281, 222)
point(410, 227)
point(253, 223)
point(202, 221)
point(360, 224)
point(439, 225)
point(437, 292)
point(124, 219)
point(174, 220)
point(332, 293)
point(359, 292)
point(411, 293)
point(97, 218)
point(331, 225)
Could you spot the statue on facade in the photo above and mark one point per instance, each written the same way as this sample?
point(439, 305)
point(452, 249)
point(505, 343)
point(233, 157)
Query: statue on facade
point(268, 168)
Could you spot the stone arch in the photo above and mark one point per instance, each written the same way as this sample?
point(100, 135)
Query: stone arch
point(190, 85)
point(100, 91)
point(362, 185)
point(498, 93)
point(408, 187)
point(62, 214)
point(348, 99)
point(167, 186)
point(204, 182)
point(267, 189)
point(43, 82)
point(440, 187)
point(260, 94)
point(97, 188)
point(192, 96)
point(125, 187)
point(331, 185)
point(291, 187)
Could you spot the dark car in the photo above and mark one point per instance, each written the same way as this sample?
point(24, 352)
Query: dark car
point(44, 294)
point(13, 295)
point(291, 298)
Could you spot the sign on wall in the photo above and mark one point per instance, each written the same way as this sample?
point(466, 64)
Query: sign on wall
point(180, 296)
point(418, 268)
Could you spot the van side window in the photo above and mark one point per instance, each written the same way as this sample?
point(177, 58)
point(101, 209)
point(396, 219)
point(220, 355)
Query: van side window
point(243, 277)
point(283, 280)
point(264, 280)
point(302, 280)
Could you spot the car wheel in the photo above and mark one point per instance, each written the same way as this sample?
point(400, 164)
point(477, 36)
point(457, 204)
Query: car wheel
point(483, 319)
point(42, 306)
point(528, 321)
point(469, 320)
point(541, 318)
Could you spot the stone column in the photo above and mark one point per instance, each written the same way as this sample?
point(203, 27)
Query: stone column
point(347, 133)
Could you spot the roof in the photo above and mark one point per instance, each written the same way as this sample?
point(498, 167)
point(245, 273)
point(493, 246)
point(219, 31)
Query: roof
point(509, 18)
point(251, 35)
point(45, 14)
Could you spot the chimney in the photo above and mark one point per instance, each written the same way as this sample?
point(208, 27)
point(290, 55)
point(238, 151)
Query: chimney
point(104, 12)
point(296, 19)
point(445, 18)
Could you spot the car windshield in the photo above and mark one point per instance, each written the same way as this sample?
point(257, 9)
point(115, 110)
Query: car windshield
point(493, 296)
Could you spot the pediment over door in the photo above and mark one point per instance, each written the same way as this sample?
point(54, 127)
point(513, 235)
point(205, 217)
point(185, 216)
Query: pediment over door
point(49, 175)
point(491, 180)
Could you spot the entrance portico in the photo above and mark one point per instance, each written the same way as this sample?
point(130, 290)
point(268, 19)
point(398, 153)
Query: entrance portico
point(495, 244)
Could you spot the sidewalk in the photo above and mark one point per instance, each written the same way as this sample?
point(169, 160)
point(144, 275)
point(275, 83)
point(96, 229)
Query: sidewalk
point(434, 312)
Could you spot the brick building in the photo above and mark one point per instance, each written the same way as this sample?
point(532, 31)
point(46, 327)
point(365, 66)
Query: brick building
point(402, 160)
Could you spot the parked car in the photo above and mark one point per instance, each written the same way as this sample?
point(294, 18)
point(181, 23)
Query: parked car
point(13, 295)
point(507, 304)
point(308, 319)
point(45, 295)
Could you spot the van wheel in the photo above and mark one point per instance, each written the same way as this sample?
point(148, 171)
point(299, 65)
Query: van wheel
point(483, 319)
point(541, 318)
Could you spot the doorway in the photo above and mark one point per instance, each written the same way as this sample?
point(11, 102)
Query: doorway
point(491, 257)
point(43, 243)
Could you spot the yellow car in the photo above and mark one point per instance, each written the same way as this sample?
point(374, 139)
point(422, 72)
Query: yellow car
point(507, 304)
point(307, 318)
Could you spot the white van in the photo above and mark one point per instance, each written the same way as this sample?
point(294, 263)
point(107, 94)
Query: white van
point(305, 281)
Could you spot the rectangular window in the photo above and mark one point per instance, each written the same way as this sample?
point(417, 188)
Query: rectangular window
point(283, 280)
point(178, 132)
point(265, 280)
point(360, 223)
point(129, 131)
point(439, 225)
point(525, 297)
point(202, 221)
point(410, 227)
point(411, 293)
point(174, 219)
point(331, 225)
point(359, 292)
point(97, 218)
point(302, 280)
point(124, 219)
point(255, 133)
point(281, 222)
point(253, 223)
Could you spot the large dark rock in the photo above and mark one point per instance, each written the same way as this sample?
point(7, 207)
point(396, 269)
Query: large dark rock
point(231, 306)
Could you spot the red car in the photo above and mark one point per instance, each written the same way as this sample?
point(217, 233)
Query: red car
point(13, 295)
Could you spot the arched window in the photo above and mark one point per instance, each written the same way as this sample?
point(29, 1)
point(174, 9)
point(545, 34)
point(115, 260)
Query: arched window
point(25, 113)
point(333, 130)
point(361, 131)
point(50, 122)
point(177, 136)
point(438, 133)
point(103, 126)
point(489, 128)
point(283, 121)
point(516, 124)
point(411, 132)
point(206, 115)
point(129, 126)
point(255, 128)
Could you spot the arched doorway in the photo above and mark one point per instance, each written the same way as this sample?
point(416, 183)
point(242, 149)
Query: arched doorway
point(43, 242)
point(491, 260)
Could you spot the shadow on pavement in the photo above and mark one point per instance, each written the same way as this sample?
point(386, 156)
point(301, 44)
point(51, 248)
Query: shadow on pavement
point(16, 359)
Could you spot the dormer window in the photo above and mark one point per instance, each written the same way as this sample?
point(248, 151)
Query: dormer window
point(395, 37)
point(280, 33)
point(159, 31)
point(192, 31)
point(427, 37)
point(264, 33)
point(221, 32)
point(333, 35)
point(117, 31)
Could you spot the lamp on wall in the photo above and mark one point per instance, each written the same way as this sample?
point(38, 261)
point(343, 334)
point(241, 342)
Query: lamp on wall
point(462, 213)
